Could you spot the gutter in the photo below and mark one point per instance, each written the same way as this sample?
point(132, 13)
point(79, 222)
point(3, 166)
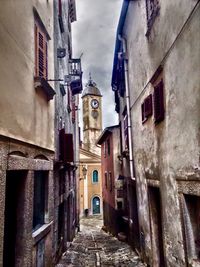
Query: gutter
point(119, 32)
point(127, 96)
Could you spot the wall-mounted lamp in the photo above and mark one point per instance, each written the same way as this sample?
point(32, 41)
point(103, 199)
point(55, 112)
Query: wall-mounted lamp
point(84, 172)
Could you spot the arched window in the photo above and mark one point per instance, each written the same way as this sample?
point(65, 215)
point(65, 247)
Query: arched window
point(95, 176)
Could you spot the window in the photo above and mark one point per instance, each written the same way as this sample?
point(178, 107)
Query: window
point(108, 146)
point(152, 9)
point(119, 205)
point(106, 180)
point(147, 108)
point(120, 193)
point(126, 131)
point(41, 52)
point(159, 102)
point(40, 198)
point(95, 176)
point(110, 181)
point(104, 149)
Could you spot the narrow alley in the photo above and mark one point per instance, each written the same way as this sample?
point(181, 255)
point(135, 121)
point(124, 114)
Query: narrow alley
point(93, 247)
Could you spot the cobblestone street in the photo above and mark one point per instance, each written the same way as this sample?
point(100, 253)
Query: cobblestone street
point(93, 247)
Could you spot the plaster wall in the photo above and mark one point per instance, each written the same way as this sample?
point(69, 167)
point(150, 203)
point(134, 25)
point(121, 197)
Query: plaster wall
point(26, 115)
point(167, 152)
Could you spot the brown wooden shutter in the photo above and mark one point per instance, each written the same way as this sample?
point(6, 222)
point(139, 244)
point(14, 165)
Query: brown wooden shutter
point(36, 50)
point(106, 179)
point(142, 111)
point(41, 53)
point(148, 106)
point(159, 102)
point(69, 148)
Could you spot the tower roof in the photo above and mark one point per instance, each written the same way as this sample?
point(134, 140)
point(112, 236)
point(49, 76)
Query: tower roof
point(91, 88)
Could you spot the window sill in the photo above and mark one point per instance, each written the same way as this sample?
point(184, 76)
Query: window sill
point(41, 84)
point(41, 232)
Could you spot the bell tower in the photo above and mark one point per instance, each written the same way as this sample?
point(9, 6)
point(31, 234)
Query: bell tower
point(92, 116)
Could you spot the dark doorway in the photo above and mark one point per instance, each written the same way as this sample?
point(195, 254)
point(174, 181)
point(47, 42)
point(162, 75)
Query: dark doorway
point(96, 205)
point(156, 227)
point(14, 214)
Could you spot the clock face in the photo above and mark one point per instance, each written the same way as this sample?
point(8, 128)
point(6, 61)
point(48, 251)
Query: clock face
point(95, 103)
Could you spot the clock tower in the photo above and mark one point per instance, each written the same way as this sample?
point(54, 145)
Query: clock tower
point(92, 116)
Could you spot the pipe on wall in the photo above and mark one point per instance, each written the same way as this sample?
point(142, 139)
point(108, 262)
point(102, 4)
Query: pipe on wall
point(127, 96)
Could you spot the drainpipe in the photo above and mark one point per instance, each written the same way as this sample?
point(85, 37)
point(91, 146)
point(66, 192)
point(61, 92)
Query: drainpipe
point(123, 40)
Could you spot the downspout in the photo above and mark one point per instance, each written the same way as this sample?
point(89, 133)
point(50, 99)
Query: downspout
point(123, 40)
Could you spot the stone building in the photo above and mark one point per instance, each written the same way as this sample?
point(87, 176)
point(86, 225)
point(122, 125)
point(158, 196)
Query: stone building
point(39, 141)
point(66, 70)
point(112, 180)
point(26, 133)
point(157, 94)
point(90, 181)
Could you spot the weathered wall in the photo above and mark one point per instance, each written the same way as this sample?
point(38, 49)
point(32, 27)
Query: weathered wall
point(25, 114)
point(169, 151)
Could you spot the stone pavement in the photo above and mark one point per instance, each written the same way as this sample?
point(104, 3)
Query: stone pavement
point(92, 247)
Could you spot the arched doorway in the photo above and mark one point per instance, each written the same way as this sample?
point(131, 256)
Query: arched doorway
point(96, 205)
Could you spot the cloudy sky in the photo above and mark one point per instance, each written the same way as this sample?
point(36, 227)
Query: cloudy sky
point(94, 36)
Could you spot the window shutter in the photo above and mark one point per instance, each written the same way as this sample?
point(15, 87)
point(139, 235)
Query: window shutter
point(142, 110)
point(69, 148)
point(46, 60)
point(106, 179)
point(159, 102)
point(36, 51)
point(41, 53)
point(110, 181)
point(148, 106)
